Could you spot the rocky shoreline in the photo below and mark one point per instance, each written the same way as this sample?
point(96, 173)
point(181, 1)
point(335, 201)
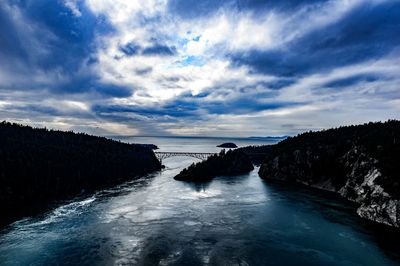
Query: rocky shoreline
point(359, 162)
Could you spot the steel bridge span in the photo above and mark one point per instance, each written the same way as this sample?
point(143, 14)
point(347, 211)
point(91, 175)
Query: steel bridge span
point(198, 155)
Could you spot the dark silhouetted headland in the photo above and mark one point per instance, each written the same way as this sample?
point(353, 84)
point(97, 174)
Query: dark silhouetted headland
point(150, 146)
point(256, 153)
point(230, 163)
point(361, 163)
point(38, 166)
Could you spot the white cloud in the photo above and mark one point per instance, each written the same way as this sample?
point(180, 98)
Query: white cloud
point(73, 6)
point(201, 64)
point(207, 39)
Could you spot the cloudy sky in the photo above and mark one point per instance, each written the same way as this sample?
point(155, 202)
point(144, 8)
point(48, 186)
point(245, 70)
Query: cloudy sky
point(193, 67)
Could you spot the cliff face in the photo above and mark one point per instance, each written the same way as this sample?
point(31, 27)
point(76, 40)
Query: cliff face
point(360, 163)
point(38, 166)
point(231, 163)
point(363, 186)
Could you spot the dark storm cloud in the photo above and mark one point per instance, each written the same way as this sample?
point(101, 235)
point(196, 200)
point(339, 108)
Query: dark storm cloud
point(10, 44)
point(157, 49)
point(65, 37)
point(55, 41)
point(353, 80)
point(194, 9)
point(92, 84)
point(366, 33)
point(246, 105)
point(130, 49)
point(167, 60)
point(73, 35)
point(40, 109)
point(279, 83)
point(194, 107)
point(156, 111)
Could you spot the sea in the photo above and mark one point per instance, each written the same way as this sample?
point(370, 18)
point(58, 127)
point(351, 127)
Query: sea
point(240, 220)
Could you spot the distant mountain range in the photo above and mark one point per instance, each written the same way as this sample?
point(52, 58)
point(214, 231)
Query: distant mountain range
point(269, 137)
point(204, 137)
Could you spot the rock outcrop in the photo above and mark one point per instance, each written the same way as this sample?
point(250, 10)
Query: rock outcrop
point(228, 163)
point(363, 187)
point(361, 163)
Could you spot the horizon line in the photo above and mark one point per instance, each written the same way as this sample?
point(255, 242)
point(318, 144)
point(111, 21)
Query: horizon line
point(209, 137)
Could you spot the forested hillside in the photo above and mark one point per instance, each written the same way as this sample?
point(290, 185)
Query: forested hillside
point(38, 166)
point(230, 163)
point(359, 162)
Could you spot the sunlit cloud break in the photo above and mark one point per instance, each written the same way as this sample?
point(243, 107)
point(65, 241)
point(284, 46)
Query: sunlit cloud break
point(189, 67)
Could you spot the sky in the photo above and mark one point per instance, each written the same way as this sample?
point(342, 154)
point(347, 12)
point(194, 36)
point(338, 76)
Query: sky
point(232, 68)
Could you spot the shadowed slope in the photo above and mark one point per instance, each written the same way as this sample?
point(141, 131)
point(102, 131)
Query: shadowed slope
point(38, 166)
point(227, 163)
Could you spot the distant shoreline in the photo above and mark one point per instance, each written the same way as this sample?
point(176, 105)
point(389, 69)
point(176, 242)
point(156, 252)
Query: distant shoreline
point(202, 137)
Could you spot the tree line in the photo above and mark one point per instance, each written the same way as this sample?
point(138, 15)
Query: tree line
point(38, 165)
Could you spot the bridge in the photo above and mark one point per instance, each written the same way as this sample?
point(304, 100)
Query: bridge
point(198, 155)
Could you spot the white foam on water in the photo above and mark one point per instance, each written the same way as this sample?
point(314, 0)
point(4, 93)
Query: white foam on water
point(67, 210)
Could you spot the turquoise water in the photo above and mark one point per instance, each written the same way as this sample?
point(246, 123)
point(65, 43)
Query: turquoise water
point(230, 221)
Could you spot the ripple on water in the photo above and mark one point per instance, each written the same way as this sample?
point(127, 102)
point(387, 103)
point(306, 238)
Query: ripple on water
point(67, 210)
point(191, 223)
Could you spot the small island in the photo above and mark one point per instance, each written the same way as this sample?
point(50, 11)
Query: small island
point(230, 163)
point(229, 145)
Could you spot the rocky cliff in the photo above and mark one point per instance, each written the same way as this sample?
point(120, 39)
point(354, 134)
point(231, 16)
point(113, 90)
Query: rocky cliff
point(361, 163)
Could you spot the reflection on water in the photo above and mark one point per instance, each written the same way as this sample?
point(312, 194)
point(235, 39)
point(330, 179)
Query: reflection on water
point(229, 221)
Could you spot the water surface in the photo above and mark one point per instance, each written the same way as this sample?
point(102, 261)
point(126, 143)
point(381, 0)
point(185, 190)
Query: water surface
point(230, 221)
